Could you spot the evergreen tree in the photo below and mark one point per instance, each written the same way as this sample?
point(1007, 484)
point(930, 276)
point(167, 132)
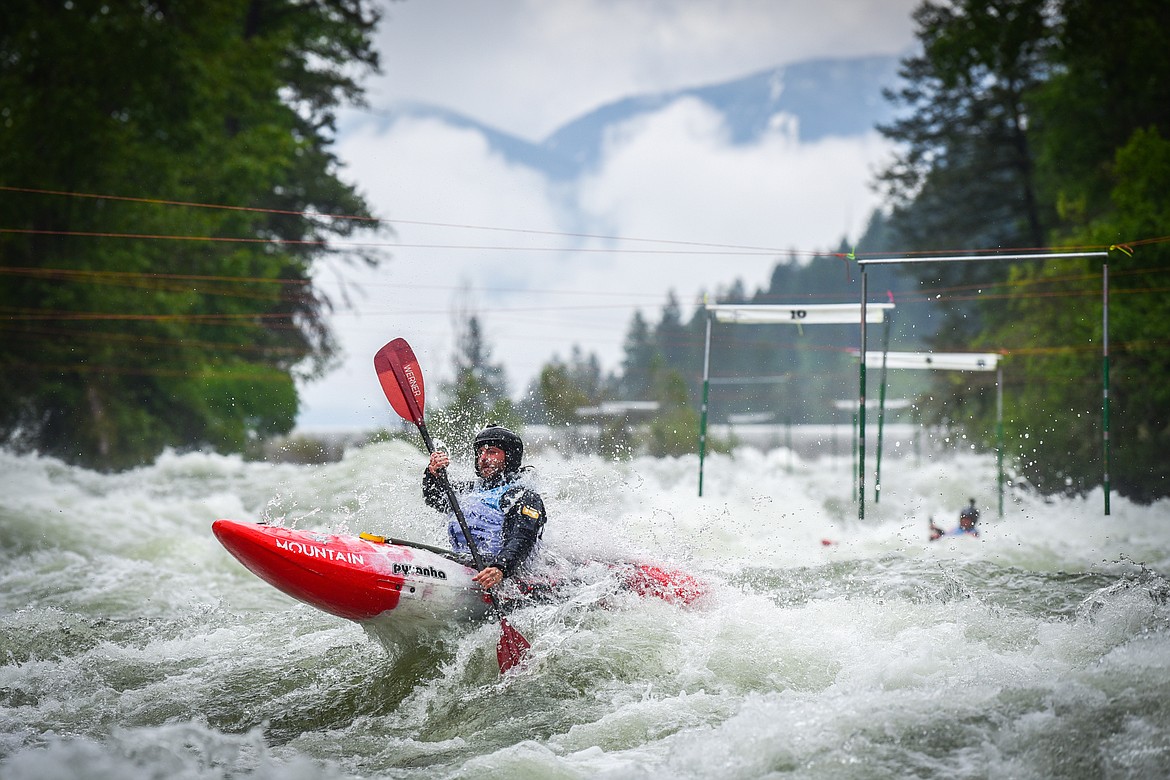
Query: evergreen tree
point(637, 382)
point(478, 394)
point(672, 336)
point(965, 177)
point(585, 373)
point(193, 333)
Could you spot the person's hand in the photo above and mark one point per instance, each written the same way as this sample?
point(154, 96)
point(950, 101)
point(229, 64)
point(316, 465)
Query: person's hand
point(439, 461)
point(488, 578)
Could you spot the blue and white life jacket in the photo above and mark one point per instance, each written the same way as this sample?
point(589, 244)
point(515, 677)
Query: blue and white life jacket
point(485, 519)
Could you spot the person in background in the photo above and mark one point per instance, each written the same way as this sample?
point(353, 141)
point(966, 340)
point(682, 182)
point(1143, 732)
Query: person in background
point(505, 517)
point(968, 517)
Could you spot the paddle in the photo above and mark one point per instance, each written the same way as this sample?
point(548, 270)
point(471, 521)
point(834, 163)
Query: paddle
point(402, 382)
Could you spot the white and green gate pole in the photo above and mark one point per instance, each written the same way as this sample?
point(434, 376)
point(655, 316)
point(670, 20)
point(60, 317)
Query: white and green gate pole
point(999, 432)
point(1105, 360)
point(877, 481)
point(861, 404)
point(703, 408)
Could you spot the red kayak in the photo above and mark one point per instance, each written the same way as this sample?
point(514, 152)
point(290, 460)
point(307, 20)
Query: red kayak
point(371, 578)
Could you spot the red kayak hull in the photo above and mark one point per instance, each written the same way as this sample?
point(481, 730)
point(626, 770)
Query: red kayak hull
point(351, 577)
point(370, 580)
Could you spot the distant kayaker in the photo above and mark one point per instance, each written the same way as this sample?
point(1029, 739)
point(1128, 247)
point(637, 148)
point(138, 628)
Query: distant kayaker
point(968, 517)
point(505, 517)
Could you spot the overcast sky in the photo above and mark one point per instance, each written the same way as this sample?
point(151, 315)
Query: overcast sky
point(528, 67)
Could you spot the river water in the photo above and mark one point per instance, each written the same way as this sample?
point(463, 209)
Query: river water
point(133, 646)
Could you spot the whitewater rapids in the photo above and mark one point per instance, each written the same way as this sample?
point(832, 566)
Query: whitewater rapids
point(134, 646)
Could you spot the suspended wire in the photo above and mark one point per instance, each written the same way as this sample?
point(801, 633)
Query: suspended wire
point(724, 247)
point(251, 373)
point(78, 272)
point(931, 294)
point(452, 225)
point(334, 244)
point(178, 283)
point(139, 339)
point(190, 204)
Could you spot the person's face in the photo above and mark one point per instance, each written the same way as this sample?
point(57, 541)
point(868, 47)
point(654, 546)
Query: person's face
point(490, 461)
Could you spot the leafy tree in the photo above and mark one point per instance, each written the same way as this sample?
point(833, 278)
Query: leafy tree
point(1140, 360)
point(1056, 421)
point(1110, 77)
point(675, 429)
point(562, 388)
point(1103, 124)
point(585, 372)
point(194, 333)
point(560, 396)
point(1095, 113)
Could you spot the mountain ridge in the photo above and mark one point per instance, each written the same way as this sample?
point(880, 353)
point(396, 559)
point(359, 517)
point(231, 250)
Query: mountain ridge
point(818, 98)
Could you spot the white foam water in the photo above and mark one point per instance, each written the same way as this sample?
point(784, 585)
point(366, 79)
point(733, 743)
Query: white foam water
point(133, 646)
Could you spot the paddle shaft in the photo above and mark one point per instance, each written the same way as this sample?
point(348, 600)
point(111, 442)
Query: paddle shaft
point(379, 539)
point(429, 548)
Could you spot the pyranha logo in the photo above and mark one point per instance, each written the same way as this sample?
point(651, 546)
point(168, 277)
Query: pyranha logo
point(420, 571)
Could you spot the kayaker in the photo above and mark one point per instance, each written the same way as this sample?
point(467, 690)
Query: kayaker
point(968, 517)
point(506, 518)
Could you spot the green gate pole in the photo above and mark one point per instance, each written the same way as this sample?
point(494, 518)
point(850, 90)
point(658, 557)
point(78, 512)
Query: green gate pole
point(703, 408)
point(788, 441)
point(999, 433)
point(853, 459)
point(877, 484)
point(916, 416)
point(861, 405)
point(1105, 359)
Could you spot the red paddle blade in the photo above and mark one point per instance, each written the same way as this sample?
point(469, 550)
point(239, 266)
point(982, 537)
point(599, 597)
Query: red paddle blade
point(511, 648)
point(401, 378)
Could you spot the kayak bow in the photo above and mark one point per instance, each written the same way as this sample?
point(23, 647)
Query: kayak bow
point(355, 578)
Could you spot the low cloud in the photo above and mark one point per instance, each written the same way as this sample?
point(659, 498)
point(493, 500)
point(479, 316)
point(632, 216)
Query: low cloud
point(671, 175)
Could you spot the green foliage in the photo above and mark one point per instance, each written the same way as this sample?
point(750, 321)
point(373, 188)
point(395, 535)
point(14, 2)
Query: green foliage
point(1110, 77)
point(560, 395)
point(563, 387)
point(116, 347)
point(675, 429)
point(1035, 124)
point(1064, 399)
point(964, 175)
